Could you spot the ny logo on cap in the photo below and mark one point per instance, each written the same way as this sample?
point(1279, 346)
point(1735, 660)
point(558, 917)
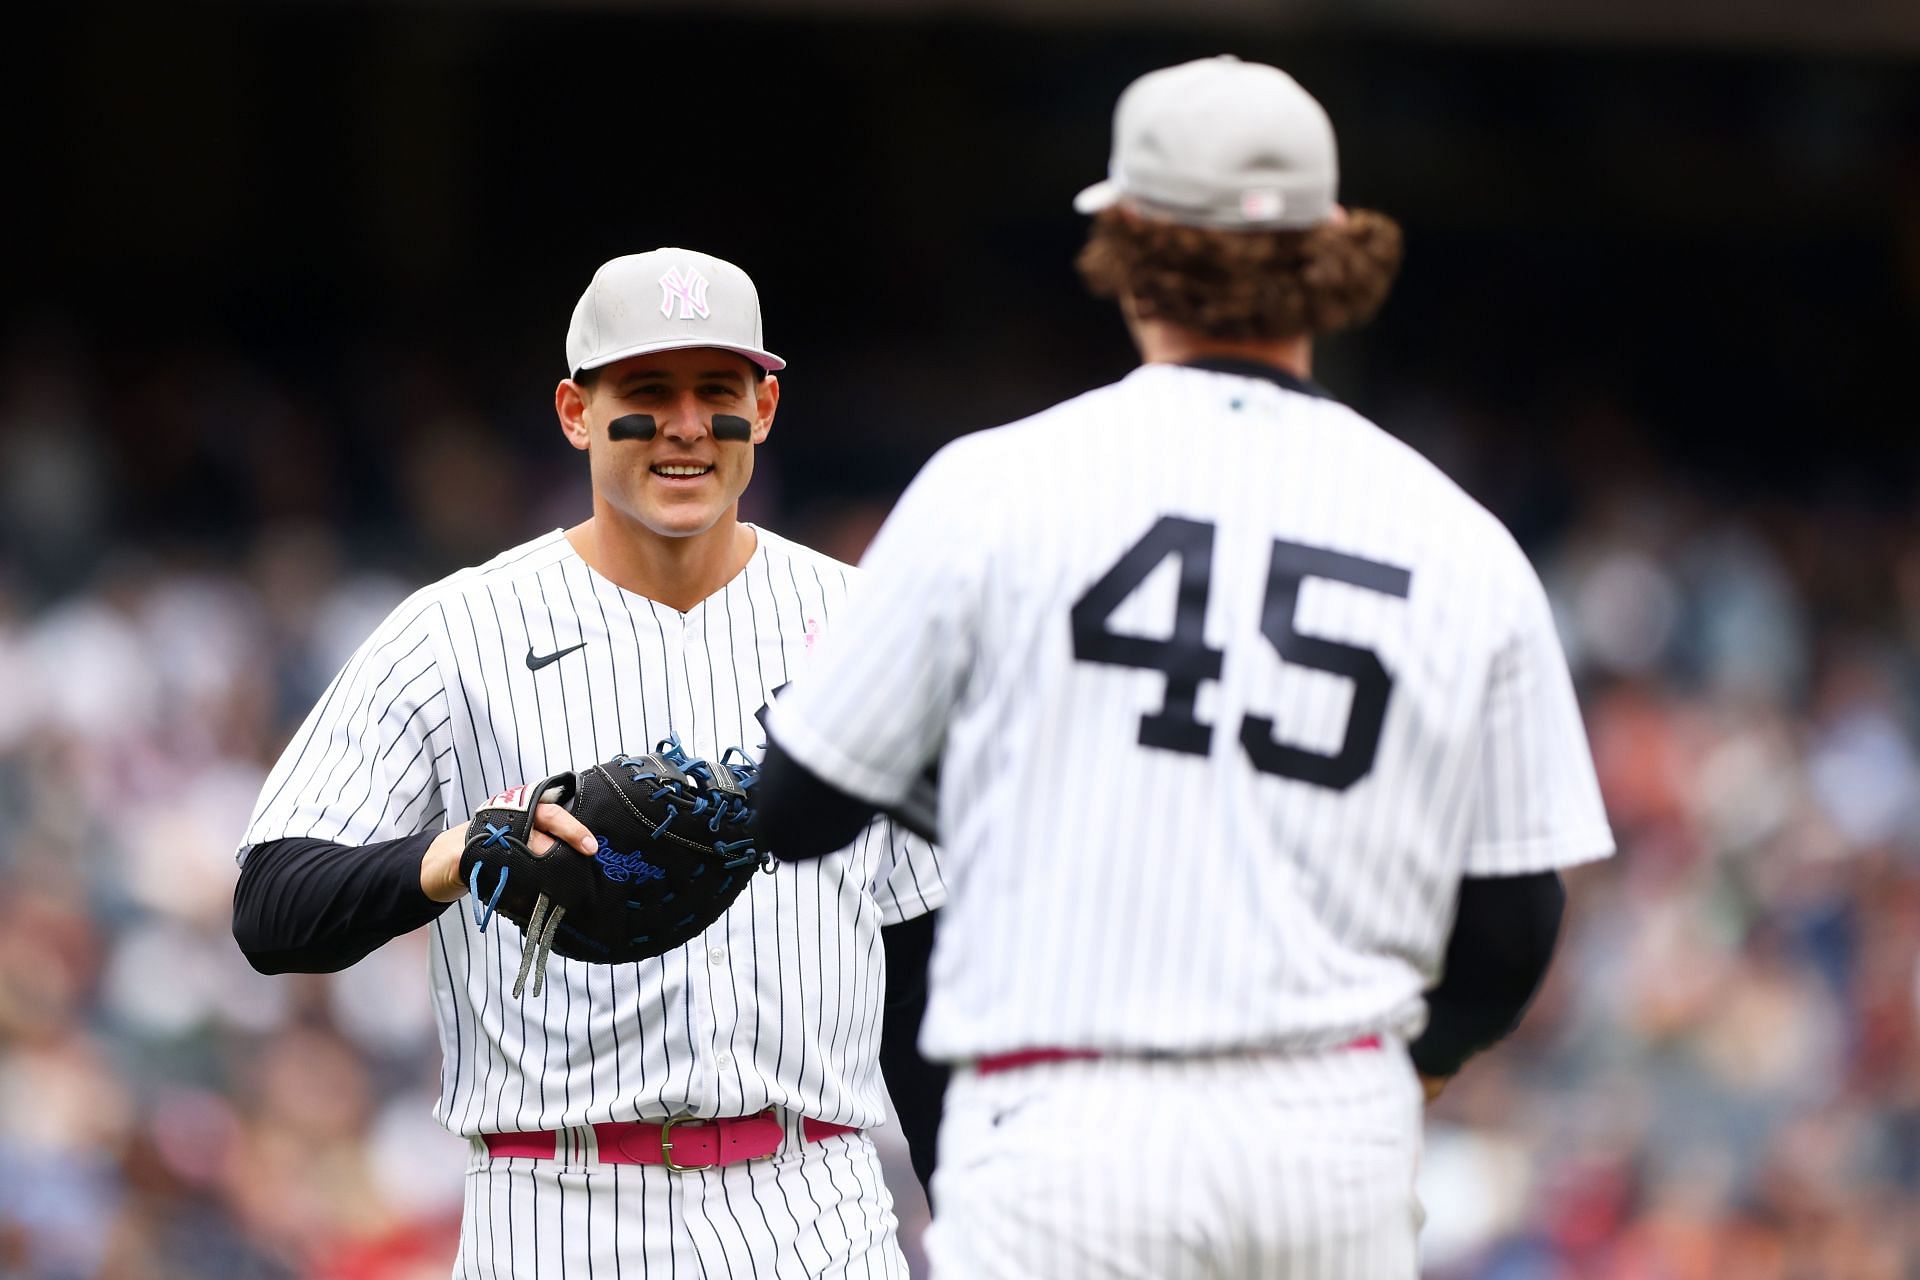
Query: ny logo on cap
point(691, 289)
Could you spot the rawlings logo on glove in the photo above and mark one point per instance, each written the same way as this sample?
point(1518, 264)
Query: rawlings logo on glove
point(622, 867)
point(675, 851)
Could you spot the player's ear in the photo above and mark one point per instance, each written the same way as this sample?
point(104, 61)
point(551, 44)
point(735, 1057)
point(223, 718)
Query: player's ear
point(766, 400)
point(570, 405)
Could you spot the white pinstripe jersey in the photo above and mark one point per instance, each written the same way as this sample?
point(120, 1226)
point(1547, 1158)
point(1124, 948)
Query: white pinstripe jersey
point(1229, 688)
point(449, 702)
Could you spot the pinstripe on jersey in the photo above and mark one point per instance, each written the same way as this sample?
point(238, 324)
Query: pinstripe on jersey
point(1267, 1166)
point(1230, 688)
point(779, 1003)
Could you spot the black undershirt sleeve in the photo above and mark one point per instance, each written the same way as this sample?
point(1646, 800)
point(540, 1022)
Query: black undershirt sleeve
point(312, 906)
point(800, 815)
point(1502, 942)
point(918, 1087)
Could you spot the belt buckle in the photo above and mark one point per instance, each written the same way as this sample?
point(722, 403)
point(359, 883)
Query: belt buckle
point(770, 1114)
point(666, 1145)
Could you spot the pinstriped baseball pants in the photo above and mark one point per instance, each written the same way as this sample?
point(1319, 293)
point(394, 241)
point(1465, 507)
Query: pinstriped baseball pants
point(1227, 1168)
point(816, 1209)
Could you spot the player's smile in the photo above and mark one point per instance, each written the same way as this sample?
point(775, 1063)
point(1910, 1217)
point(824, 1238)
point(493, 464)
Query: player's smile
point(680, 474)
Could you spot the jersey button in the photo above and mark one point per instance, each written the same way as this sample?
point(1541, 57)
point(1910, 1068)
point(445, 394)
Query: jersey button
point(717, 955)
point(724, 1061)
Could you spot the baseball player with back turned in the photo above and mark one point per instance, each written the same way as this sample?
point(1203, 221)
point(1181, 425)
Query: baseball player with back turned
point(1247, 716)
point(700, 1113)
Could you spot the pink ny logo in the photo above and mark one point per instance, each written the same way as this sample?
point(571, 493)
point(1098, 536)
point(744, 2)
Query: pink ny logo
point(691, 289)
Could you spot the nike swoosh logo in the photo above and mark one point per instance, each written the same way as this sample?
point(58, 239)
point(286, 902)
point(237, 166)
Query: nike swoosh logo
point(534, 664)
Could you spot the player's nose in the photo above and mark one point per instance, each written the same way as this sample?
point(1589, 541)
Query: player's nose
point(683, 423)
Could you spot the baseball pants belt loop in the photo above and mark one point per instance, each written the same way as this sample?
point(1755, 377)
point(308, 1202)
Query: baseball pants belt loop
point(682, 1144)
point(1031, 1057)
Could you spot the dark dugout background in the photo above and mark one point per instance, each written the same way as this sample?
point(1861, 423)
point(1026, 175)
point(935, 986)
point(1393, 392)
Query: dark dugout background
point(1724, 245)
point(285, 293)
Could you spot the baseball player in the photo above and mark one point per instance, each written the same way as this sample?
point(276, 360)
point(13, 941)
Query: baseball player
point(1246, 716)
point(703, 1112)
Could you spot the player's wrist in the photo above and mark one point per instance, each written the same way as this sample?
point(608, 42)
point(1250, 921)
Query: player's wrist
point(440, 866)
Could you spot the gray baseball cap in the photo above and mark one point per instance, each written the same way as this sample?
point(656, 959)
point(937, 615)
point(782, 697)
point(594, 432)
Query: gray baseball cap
point(666, 300)
point(1220, 143)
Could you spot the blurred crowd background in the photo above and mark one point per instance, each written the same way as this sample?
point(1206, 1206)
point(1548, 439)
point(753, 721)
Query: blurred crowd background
point(282, 320)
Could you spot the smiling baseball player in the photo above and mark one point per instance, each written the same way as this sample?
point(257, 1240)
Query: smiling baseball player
point(1246, 716)
point(697, 1113)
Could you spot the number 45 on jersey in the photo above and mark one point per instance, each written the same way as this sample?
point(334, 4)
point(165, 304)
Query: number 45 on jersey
point(1186, 659)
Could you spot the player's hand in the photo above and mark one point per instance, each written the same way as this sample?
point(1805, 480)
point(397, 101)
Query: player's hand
point(553, 825)
point(440, 868)
point(1432, 1086)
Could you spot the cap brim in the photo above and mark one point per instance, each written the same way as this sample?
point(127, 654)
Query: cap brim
point(765, 359)
point(1103, 194)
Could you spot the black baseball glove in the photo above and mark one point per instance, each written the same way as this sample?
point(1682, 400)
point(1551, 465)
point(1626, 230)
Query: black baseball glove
point(675, 852)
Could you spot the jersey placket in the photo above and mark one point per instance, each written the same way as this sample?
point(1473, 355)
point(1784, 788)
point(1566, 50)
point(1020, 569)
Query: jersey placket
point(687, 712)
point(696, 668)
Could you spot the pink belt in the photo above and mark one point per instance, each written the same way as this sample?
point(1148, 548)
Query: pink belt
point(1032, 1057)
point(688, 1142)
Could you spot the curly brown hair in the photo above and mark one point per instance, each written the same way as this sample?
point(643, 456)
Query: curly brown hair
point(1245, 285)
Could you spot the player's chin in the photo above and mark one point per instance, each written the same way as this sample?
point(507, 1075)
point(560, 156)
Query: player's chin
point(685, 517)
